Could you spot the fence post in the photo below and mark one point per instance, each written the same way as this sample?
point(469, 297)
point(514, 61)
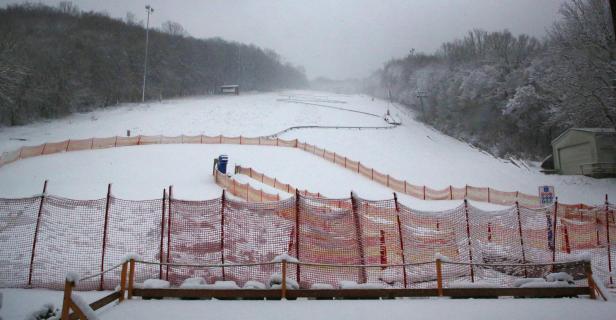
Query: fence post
point(566, 235)
point(607, 235)
point(222, 232)
point(297, 210)
point(123, 281)
point(424, 192)
point(450, 192)
point(591, 282)
point(66, 301)
point(554, 232)
point(439, 277)
point(470, 245)
point(401, 239)
point(517, 208)
point(371, 173)
point(167, 260)
point(488, 194)
point(283, 287)
point(162, 234)
point(105, 225)
point(68, 145)
point(359, 234)
point(131, 278)
point(358, 164)
point(38, 223)
point(465, 191)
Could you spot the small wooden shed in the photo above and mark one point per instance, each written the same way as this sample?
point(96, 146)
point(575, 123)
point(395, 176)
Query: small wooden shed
point(587, 151)
point(230, 89)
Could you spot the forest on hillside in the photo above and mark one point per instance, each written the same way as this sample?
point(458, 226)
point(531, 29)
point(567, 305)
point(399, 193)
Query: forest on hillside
point(511, 95)
point(58, 60)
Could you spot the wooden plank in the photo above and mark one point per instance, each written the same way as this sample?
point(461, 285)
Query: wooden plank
point(363, 293)
point(546, 292)
point(99, 303)
point(105, 300)
point(207, 293)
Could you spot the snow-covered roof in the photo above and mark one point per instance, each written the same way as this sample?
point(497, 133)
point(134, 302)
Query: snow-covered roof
point(609, 131)
point(230, 86)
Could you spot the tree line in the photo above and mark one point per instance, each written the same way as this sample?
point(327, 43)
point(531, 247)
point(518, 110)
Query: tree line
point(58, 60)
point(511, 95)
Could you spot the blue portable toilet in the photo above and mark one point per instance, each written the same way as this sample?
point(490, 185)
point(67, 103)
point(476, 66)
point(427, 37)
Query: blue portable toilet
point(223, 159)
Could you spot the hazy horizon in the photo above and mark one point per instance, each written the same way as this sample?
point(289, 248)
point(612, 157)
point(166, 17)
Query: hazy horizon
point(341, 39)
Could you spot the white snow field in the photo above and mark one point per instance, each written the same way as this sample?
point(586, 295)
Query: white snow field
point(411, 151)
point(433, 308)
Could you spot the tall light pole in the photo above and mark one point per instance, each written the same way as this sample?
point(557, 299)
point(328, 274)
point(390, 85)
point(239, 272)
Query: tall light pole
point(150, 10)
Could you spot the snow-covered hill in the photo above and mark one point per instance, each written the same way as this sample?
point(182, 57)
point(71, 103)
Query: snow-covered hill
point(411, 151)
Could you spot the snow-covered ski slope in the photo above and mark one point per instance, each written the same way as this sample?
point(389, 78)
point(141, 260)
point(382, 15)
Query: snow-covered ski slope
point(412, 151)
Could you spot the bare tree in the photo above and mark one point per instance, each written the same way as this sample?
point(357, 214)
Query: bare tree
point(174, 28)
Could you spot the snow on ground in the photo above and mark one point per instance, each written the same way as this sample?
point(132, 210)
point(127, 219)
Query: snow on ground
point(142, 172)
point(250, 114)
point(505, 309)
point(412, 151)
point(18, 304)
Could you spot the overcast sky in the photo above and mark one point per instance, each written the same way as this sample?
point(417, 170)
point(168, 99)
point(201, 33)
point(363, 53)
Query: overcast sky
point(339, 38)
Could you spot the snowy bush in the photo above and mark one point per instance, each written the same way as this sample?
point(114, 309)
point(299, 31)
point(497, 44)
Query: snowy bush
point(226, 285)
point(254, 285)
point(193, 283)
point(156, 284)
point(559, 276)
point(345, 284)
point(48, 311)
point(275, 282)
point(321, 286)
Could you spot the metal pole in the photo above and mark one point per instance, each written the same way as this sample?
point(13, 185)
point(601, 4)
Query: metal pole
point(150, 10)
point(401, 240)
point(470, 244)
point(36, 229)
point(104, 249)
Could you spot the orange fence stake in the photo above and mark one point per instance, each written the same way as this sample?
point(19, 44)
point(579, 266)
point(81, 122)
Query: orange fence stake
point(283, 293)
point(439, 277)
point(131, 278)
point(66, 301)
point(123, 280)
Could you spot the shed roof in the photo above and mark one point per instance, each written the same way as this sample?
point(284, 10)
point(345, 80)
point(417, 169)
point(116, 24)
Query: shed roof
point(230, 86)
point(594, 131)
